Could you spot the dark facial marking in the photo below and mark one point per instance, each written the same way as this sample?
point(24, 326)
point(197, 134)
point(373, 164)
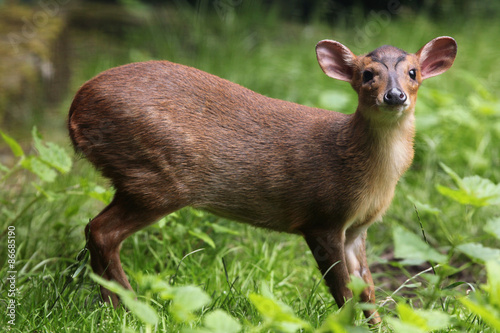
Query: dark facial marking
point(386, 54)
point(375, 59)
point(399, 59)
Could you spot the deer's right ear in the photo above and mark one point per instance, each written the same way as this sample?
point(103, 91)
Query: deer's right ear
point(335, 59)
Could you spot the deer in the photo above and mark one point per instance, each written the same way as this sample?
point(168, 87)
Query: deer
point(169, 136)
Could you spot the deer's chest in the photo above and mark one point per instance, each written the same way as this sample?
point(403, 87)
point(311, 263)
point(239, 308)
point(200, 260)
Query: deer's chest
point(378, 184)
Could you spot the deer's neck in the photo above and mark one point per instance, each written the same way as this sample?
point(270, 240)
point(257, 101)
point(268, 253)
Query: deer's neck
point(383, 153)
point(387, 145)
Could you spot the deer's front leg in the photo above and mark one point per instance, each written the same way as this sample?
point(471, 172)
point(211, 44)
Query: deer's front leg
point(357, 265)
point(328, 250)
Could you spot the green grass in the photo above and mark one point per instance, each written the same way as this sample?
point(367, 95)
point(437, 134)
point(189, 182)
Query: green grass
point(457, 116)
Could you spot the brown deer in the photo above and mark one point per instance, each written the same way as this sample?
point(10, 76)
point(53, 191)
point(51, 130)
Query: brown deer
point(170, 136)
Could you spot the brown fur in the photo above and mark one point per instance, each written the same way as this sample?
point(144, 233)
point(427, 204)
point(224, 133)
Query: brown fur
point(170, 136)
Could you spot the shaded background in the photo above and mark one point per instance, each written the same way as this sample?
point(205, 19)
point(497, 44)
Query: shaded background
point(50, 46)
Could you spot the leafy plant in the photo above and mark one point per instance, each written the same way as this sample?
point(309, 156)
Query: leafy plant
point(474, 190)
point(47, 163)
point(277, 316)
point(418, 321)
point(50, 159)
point(183, 302)
point(486, 301)
point(143, 311)
point(413, 249)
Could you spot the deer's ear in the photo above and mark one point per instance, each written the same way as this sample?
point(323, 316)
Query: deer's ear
point(335, 59)
point(437, 56)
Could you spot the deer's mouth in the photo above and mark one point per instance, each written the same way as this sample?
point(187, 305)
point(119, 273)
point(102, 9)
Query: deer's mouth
point(393, 108)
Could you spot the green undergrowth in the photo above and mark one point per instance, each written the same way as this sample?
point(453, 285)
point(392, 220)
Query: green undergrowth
point(224, 278)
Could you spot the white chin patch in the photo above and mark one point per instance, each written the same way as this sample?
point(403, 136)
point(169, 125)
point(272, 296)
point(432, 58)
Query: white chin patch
point(395, 109)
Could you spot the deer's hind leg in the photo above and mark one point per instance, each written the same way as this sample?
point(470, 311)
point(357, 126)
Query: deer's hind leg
point(106, 232)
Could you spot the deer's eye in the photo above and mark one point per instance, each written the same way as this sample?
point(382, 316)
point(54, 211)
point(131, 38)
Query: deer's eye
point(367, 76)
point(413, 74)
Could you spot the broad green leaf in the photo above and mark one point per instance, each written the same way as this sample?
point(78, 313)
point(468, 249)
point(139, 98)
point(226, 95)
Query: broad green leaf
point(219, 321)
point(143, 311)
point(192, 298)
point(203, 236)
point(493, 227)
point(100, 193)
point(357, 285)
point(277, 314)
point(15, 147)
point(342, 321)
point(409, 246)
point(483, 188)
point(152, 283)
point(480, 252)
point(475, 190)
point(58, 158)
point(426, 320)
point(403, 327)
point(269, 308)
point(185, 300)
point(435, 319)
point(52, 154)
point(423, 207)
point(408, 315)
point(463, 197)
point(39, 168)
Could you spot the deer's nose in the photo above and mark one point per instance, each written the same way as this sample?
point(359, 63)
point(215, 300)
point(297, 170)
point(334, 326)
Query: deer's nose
point(394, 97)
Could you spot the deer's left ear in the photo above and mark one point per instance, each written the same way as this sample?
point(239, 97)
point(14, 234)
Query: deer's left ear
point(437, 56)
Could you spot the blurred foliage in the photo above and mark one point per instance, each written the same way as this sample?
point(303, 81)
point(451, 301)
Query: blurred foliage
point(28, 34)
point(307, 10)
